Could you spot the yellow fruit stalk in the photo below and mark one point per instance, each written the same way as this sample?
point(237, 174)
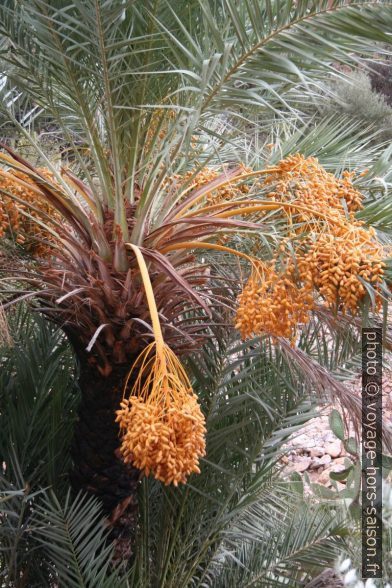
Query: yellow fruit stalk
point(161, 424)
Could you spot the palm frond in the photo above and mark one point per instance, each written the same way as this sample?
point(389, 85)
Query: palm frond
point(256, 52)
point(280, 543)
point(21, 558)
point(36, 391)
point(74, 535)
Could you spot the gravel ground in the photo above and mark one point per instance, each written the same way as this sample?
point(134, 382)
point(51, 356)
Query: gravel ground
point(317, 451)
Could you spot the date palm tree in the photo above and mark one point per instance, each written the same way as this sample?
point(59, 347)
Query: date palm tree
point(148, 107)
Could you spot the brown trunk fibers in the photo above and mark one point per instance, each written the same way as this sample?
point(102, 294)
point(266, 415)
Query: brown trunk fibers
point(98, 468)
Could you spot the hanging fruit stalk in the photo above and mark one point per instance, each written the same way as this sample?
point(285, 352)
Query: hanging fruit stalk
point(161, 424)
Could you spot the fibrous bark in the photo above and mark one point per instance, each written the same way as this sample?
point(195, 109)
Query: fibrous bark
point(98, 468)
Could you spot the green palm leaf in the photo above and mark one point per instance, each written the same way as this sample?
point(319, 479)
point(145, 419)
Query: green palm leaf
point(36, 391)
point(74, 535)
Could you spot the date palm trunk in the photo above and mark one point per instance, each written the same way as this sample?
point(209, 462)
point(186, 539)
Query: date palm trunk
point(97, 465)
